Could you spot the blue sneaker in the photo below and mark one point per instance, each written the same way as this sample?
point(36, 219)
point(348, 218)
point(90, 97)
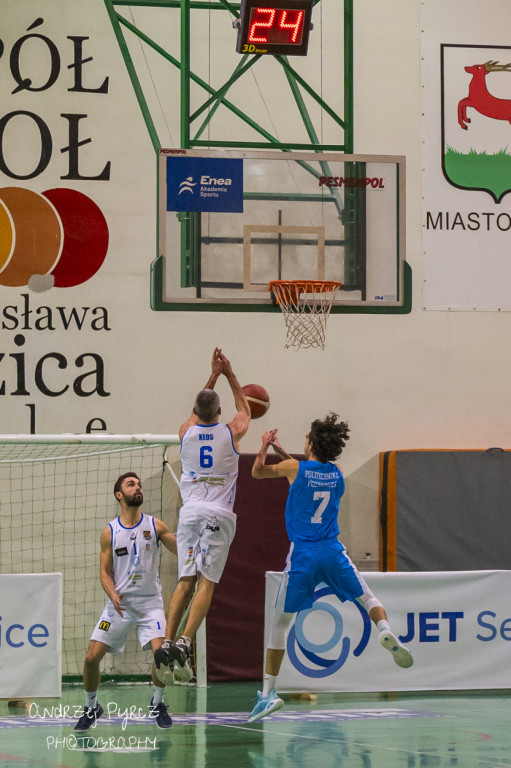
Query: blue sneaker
point(265, 707)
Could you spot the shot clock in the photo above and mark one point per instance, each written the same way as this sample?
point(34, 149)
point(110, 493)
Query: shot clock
point(274, 27)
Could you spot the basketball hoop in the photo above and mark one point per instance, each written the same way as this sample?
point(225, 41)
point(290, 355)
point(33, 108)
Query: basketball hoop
point(305, 305)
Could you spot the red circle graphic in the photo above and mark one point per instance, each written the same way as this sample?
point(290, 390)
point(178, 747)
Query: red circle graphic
point(85, 237)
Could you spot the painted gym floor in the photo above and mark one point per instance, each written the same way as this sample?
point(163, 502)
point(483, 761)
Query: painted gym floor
point(469, 729)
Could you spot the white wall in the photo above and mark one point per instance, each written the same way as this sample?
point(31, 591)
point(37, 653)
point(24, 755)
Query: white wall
point(425, 380)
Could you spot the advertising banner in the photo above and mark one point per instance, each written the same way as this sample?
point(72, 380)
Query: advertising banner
point(205, 184)
point(456, 624)
point(30, 635)
point(466, 111)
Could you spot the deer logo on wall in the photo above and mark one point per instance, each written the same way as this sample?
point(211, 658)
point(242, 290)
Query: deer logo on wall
point(480, 99)
point(476, 118)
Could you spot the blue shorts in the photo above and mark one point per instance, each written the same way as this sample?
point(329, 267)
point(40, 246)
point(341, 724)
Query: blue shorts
point(311, 563)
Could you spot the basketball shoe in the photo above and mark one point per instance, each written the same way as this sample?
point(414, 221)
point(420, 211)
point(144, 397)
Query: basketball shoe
point(89, 717)
point(164, 667)
point(159, 711)
point(400, 652)
point(265, 706)
point(179, 655)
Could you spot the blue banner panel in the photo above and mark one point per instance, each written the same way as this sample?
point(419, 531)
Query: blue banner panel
point(205, 184)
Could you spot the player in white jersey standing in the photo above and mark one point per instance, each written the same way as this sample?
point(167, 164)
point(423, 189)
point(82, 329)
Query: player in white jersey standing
point(128, 571)
point(207, 523)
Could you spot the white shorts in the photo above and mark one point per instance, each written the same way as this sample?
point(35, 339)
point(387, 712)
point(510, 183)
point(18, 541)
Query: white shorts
point(203, 540)
point(144, 613)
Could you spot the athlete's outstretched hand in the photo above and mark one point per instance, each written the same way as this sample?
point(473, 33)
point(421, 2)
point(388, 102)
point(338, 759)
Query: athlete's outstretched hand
point(275, 444)
point(226, 367)
point(269, 437)
point(216, 362)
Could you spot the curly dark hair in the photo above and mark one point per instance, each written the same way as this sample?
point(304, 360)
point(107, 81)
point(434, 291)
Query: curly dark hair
point(207, 405)
point(120, 480)
point(327, 438)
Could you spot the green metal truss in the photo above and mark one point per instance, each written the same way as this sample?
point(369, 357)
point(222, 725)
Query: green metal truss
point(217, 97)
point(193, 125)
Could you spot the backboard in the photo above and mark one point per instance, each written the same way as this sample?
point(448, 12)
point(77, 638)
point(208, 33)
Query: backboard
point(231, 221)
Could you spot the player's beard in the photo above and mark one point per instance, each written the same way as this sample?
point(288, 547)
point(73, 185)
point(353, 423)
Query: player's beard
point(134, 499)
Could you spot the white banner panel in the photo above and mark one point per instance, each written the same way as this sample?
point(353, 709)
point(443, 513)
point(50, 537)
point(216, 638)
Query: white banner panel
point(456, 624)
point(466, 114)
point(30, 635)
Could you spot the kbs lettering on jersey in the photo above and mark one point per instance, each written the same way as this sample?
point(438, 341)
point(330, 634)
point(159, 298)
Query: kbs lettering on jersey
point(206, 436)
point(120, 551)
point(104, 625)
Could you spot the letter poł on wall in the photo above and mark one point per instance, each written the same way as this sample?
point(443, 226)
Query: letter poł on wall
point(71, 237)
point(31, 635)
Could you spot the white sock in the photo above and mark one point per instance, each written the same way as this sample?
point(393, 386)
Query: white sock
point(383, 625)
point(270, 682)
point(91, 699)
point(158, 694)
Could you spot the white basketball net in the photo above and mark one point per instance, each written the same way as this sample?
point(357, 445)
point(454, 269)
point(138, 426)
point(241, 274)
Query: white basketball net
point(305, 305)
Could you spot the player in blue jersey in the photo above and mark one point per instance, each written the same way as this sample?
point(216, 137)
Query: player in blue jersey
point(316, 555)
point(207, 522)
point(128, 570)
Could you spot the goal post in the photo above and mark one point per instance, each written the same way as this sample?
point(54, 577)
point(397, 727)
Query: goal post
point(56, 496)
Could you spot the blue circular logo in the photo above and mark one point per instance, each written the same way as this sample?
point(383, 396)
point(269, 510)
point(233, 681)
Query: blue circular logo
point(310, 650)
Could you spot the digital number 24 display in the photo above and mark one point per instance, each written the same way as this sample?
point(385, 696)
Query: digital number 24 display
point(268, 25)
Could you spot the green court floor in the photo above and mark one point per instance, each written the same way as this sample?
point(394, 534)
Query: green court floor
point(470, 729)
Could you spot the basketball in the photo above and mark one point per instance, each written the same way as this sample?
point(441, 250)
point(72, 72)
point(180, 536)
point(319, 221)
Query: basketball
point(258, 399)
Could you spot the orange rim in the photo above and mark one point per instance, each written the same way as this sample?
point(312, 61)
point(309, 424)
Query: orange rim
point(291, 289)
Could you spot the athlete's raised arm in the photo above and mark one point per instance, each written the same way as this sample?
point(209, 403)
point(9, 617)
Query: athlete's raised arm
point(287, 468)
point(240, 423)
point(216, 370)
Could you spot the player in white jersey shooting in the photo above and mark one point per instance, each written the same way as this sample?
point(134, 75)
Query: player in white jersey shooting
point(207, 523)
point(128, 571)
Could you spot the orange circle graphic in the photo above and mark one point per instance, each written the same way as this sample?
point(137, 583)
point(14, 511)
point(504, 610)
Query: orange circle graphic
point(38, 236)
